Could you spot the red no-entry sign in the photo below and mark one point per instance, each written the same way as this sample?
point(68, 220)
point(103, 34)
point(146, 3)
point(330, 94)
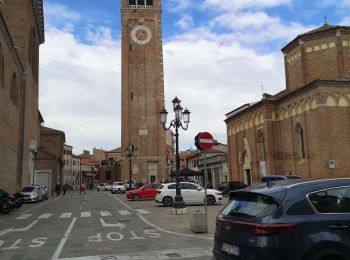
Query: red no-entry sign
point(204, 141)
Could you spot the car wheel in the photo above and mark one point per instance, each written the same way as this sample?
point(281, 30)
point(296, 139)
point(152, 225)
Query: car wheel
point(167, 201)
point(211, 200)
point(98, 189)
point(135, 197)
point(328, 254)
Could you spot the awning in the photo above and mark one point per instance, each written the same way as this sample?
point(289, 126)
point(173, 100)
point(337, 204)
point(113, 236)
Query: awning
point(186, 173)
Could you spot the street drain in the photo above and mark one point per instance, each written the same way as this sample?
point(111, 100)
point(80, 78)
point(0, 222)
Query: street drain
point(173, 255)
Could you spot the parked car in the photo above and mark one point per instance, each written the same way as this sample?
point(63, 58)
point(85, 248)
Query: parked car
point(133, 184)
point(44, 190)
point(191, 193)
point(291, 220)
point(30, 194)
point(226, 187)
point(104, 187)
point(279, 177)
point(118, 187)
point(147, 191)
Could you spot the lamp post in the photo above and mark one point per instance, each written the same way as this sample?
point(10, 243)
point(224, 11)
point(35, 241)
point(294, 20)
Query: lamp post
point(130, 152)
point(180, 116)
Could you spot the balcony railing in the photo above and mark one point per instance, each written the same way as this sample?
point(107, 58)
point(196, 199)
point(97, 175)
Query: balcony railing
point(141, 6)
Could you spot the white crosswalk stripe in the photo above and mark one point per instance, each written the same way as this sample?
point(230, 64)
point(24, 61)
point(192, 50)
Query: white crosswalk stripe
point(45, 216)
point(66, 215)
point(85, 214)
point(24, 216)
point(124, 212)
point(105, 213)
point(142, 211)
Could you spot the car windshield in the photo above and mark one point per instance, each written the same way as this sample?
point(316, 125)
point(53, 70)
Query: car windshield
point(250, 205)
point(118, 183)
point(28, 189)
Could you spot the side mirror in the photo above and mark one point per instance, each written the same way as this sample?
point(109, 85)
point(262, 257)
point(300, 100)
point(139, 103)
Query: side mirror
point(199, 189)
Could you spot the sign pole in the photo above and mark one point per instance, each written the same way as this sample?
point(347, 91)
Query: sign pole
point(205, 191)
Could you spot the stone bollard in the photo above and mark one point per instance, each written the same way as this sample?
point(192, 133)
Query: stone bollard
point(198, 221)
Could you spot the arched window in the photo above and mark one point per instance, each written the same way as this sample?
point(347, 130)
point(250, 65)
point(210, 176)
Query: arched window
point(14, 90)
point(261, 146)
point(302, 144)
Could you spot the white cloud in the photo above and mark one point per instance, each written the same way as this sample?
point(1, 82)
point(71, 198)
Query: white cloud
point(178, 5)
point(185, 22)
point(212, 79)
point(59, 12)
point(80, 88)
point(244, 4)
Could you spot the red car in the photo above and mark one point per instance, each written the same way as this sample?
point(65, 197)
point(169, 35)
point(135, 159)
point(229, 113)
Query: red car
point(147, 191)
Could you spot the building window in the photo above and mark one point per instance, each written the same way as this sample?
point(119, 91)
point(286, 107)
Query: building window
point(302, 144)
point(108, 175)
point(141, 3)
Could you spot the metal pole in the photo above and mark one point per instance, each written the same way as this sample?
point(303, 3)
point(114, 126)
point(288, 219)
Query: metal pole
point(129, 172)
point(205, 191)
point(178, 203)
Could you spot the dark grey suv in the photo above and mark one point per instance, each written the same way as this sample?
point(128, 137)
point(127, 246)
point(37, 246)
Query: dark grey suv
point(299, 220)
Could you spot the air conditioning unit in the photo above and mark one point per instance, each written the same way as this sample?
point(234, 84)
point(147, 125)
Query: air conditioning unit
point(33, 146)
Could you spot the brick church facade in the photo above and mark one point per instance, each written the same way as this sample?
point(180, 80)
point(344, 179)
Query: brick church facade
point(305, 129)
point(21, 33)
point(142, 90)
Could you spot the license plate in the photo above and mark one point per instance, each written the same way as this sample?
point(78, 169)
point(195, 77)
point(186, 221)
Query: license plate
point(231, 249)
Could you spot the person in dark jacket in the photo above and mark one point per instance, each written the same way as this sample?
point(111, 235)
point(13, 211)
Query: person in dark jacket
point(58, 189)
point(65, 188)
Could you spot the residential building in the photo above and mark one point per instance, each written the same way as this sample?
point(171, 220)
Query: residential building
point(76, 171)
point(68, 165)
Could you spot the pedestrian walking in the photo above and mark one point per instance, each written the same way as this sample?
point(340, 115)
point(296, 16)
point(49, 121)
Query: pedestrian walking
point(58, 189)
point(65, 188)
point(82, 188)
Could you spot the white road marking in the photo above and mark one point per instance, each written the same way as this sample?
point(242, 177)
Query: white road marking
point(43, 204)
point(181, 253)
point(120, 225)
point(24, 216)
point(45, 216)
point(66, 215)
point(167, 231)
point(126, 205)
point(85, 214)
point(124, 212)
point(63, 241)
point(12, 229)
point(142, 211)
point(105, 213)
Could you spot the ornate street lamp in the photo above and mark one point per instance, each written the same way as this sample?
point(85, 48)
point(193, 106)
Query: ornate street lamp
point(177, 123)
point(130, 152)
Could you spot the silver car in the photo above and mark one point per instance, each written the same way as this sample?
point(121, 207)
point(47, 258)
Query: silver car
point(44, 190)
point(31, 194)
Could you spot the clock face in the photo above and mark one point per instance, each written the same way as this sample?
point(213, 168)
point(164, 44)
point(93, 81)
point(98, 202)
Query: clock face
point(141, 34)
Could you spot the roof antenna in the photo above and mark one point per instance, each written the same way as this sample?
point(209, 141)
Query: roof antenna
point(325, 21)
point(262, 90)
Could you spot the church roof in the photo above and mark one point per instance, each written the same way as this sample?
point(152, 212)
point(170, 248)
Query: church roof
point(50, 131)
point(324, 29)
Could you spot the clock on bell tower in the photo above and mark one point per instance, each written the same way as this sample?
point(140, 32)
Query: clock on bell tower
point(142, 90)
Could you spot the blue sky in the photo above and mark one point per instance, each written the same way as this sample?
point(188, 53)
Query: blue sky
point(217, 55)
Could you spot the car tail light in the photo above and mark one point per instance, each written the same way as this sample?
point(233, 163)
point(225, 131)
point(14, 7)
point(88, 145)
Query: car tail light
point(273, 229)
point(262, 229)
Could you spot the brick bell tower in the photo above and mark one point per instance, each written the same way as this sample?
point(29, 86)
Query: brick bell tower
point(142, 90)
